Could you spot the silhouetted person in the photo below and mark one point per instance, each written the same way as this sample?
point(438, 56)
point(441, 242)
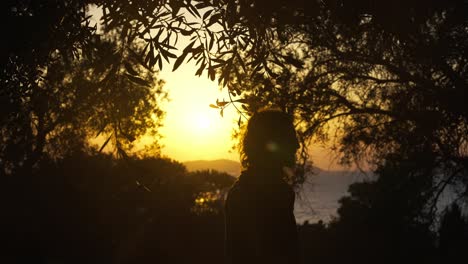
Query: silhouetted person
point(260, 223)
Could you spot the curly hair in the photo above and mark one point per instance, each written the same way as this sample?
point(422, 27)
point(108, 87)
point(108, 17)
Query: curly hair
point(269, 139)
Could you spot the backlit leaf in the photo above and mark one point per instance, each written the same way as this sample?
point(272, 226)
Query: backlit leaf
point(137, 80)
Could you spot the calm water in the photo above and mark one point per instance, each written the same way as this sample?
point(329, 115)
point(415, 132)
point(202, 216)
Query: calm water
point(318, 197)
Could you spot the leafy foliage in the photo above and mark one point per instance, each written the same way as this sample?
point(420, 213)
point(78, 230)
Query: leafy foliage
point(57, 93)
point(210, 190)
point(378, 79)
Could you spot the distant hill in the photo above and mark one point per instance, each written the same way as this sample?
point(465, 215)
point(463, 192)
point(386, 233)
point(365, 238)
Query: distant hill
point(229, 166)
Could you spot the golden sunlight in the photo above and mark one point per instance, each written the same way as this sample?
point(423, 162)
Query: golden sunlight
point(201, 123)
point(192, 130)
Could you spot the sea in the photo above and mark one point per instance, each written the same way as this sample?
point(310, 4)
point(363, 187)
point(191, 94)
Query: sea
point(317, 199)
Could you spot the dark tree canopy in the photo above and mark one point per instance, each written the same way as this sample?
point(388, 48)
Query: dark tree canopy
point(383, 80)
point(62, 84)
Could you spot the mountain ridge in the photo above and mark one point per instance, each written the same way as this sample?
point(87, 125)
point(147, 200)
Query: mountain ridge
point(234, 168)
point(231, 167)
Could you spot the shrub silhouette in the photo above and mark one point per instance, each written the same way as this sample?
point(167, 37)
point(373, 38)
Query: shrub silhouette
point(94, 208)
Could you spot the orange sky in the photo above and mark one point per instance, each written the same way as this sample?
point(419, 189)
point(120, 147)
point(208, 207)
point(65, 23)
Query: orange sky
point(192, 130)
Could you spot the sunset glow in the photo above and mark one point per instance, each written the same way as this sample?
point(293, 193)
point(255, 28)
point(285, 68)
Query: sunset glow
point(201, 123)
point(192, 130)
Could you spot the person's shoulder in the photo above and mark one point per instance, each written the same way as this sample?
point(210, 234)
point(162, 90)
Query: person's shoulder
point(287, 190)
point(234, 192)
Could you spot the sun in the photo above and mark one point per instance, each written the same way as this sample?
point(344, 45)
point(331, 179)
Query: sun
point(202, 122)
point(192, 130)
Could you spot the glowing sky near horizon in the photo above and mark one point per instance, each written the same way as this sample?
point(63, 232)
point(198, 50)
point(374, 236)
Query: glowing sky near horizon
point(194, 131)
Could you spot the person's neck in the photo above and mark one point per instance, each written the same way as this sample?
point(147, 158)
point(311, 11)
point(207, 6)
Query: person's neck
point(268, 171)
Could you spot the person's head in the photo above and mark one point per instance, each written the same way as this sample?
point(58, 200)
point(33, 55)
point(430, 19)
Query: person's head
point(269, 141)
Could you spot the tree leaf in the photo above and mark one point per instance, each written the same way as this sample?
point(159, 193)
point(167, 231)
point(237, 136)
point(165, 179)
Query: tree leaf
point(189, 46)
point(213, 106)
point(223, 103)
point(201, 5)
point(180, 59)
point(170, 55)
point(200, 70)
point(137, 80)
point(192, 10)
point(213, 19)
point(130, 69)
point(159, 60)
point(242, 100)
point(210, 46)
point(186, 32)
point(211, 73)
point(293, 61)
point(207, 13)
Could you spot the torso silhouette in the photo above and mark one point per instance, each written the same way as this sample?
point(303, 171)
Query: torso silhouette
point(260, 224)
